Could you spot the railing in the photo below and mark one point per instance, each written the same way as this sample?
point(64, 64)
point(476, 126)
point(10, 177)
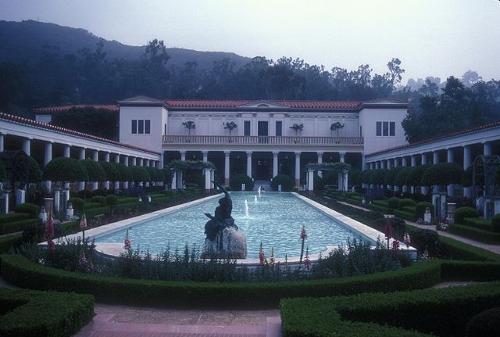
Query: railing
point(261, 140)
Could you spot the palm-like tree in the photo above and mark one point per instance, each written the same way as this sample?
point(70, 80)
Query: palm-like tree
point(230, 126)
point(297, 128)
point(335, 127)
point(189, 125)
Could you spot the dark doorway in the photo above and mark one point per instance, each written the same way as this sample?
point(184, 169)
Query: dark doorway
point(263, 128)
point(263, 165)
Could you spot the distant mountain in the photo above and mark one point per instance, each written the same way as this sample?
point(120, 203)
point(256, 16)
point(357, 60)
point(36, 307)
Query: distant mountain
point(27, 40)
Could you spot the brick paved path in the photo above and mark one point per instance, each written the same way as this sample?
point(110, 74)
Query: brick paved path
point(115, 321)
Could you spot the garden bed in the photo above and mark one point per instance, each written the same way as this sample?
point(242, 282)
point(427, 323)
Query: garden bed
point(24, 273)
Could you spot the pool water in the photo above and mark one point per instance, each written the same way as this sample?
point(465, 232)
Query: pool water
point(275, 219)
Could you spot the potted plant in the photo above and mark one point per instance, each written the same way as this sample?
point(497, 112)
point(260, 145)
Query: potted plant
point(189, 125)
point(297, 128)
point(230, 126)
point(335, 127)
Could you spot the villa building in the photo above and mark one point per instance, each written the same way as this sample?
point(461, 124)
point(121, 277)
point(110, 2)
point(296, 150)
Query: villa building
point(258, 138)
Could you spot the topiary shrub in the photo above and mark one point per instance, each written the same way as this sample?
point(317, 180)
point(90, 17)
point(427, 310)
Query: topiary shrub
point(401, 177)
point(495, 223)
point(238, 179)
point(139, 174)
point(111, 200)
point(99, 199)
point(393, 203)
point(407, 202)
point(390, 176)
point(28, 208)
point(94, 170)
point(64, 169)
point(284, 180)
point(111, 171)
point(124, 173)
point(465, 212)
point(442, 174)
point(484, 324)
point(77, 203)
point(422, 206)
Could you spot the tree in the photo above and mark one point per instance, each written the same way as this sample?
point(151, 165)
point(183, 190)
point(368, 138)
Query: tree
point(139, 174)
point(111, 171)
point(94, 170)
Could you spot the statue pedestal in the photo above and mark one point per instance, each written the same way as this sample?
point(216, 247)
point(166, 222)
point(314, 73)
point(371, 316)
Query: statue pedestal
point(231, 243)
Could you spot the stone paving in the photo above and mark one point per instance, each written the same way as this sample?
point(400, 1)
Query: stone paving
point(115, 320)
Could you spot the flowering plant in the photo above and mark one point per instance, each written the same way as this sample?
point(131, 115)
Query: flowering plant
point(271, 258)
point(262, 257)
point(127, 244)
point(307, 261)
point(395, 245)
point(407, 240)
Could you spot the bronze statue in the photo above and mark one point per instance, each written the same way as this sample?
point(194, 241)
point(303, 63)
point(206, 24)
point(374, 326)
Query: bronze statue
point(222, 218)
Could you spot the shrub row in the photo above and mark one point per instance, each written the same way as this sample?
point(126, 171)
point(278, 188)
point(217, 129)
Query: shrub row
point(16, 226)
point(461, 251)
point(11, 217)
point(395, 314)
point(24, 273)
point(475, 233)
point(9, 240)
point(43, 314)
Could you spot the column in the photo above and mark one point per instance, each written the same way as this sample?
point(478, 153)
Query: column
point(206, 172)
point(297, 169)
point(413, 161)
point(423, 159)
point(81, 156)
point(117, 161)
point(487, 149)
point(377, 164)
point(183, 155)
point(27, 146)
point(125, 162)
point(212, 179)
point(95, 157)
point(467, 163)
point(320, 161)
point(2, 142)
point(140, 162)
point(205, 156)
point(396, 162)
point(67, 151)
point(310, 180)
point(47, 157)
point(106, 159)
point(342, 157)
point(403, 162)
point(249, 164)
point(435, 157)
point(275, 164)
point(174, 181)
point(449, 159)
point(226, 167)
point(162, 159)
point(134, 161)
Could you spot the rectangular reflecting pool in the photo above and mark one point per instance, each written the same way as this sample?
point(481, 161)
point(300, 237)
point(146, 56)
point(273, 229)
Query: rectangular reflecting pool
point(273, 219)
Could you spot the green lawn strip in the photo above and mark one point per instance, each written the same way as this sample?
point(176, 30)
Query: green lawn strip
point(43, 314)
point(27, 274)
point(443, 312)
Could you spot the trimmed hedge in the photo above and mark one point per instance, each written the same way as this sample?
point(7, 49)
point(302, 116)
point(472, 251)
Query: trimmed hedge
point(11, 217)
point(24, 273)
point(10, 240)
point(43, 314)
point(410, 216)
point(470, 271)
point(28, 208)
point(478, 223)
point(16, 226)
point(461, 251)
point(465, 212)
point(475, 233)
point(421, 207)
point(395, 314)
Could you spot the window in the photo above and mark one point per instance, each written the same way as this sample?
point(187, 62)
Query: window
point(360, 131)
point(141, 126)
point(386, 129)
point(165, 129)
point(134, 126)
point(147, 126)
point(247, 128)
point(279, 128)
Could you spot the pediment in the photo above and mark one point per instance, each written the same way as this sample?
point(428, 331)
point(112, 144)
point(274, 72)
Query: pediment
point(263, 105)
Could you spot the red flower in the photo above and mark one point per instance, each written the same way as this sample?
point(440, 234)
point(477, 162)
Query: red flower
point(50, 227)
point(51, 245)
point(303, 234)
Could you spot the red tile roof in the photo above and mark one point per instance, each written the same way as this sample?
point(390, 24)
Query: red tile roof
point(446, 135)
point(36, 124)
point(61, 108)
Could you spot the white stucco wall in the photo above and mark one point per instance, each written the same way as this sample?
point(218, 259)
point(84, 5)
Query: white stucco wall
point(368, 117)
point(158, 118)
point(211, 123)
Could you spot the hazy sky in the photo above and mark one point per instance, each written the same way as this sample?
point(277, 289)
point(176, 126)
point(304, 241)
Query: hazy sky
point(431, 37)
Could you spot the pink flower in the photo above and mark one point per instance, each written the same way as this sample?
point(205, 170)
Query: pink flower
point(83, 222)
point(262, 257)
point(51, 245)
point(307, 261)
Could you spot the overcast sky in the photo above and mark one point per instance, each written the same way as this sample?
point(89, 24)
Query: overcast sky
point(431, 37)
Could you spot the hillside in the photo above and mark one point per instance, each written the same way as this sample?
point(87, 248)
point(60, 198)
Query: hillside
point(28, 40)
